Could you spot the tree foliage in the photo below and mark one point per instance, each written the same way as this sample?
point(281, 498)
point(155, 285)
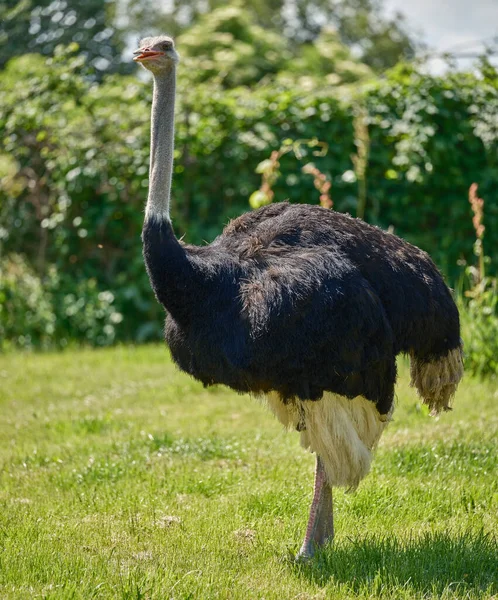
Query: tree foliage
point(229, 46)
point(27, 26)
point(379, 41)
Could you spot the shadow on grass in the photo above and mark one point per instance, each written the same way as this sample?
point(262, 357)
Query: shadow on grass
point(431, 563)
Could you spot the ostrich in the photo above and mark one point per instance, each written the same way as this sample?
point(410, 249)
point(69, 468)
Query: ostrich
point(302, 305)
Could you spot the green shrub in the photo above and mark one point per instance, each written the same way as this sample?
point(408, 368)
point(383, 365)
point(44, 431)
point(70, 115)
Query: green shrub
point(431, 138)
point(478, 299)
point(479, 320)
point(73, 170)
point(27, 318)
point(36, 313)
point(83, 312)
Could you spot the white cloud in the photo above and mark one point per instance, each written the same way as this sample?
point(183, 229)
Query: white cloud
point(448, 22)
point(450, 25)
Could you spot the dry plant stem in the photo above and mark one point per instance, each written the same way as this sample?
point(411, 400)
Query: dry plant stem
point(321, 183)
point(477, 205)
point(320, 527)
point(271, 174)
point(360, 159)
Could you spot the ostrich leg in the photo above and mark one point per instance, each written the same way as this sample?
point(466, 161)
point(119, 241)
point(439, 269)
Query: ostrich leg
point(320, 527)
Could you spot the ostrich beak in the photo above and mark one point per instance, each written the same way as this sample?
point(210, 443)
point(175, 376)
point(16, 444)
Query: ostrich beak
point(141, 55)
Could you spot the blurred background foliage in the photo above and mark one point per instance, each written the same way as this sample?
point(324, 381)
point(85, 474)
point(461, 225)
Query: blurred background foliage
point(403, 146)
point(27, 26)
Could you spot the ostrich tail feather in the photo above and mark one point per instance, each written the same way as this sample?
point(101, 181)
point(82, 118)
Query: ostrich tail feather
point(437, 380)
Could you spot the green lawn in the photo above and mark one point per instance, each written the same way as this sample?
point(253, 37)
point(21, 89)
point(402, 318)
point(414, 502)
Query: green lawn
point(122, 478)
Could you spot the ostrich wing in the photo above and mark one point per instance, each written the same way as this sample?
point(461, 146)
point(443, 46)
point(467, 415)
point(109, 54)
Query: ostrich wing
point(315, 324)
point(296, 320)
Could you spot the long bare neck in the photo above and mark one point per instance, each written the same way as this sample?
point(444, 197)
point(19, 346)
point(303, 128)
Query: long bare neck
point(161, 145)
point(169, 265)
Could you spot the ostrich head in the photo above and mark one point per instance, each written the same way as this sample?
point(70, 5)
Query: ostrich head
point(156, 54)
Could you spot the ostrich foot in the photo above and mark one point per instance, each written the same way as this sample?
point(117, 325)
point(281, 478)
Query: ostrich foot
point(320, 527)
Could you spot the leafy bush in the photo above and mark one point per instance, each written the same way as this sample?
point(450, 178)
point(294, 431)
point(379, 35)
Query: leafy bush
point(479, 321)
point(52, 312)
point(27, 318)
point(430, 138)
point(478, 301)
point(73, 173)
point(83, 312)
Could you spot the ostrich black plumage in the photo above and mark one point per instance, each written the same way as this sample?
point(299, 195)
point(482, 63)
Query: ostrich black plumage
point(302, 305)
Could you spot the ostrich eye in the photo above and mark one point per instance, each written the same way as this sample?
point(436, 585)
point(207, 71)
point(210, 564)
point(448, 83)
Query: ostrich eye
point(166, 46)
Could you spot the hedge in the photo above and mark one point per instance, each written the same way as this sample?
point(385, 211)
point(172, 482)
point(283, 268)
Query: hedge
point(73, 169)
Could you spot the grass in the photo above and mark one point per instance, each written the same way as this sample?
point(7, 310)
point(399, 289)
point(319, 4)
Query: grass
point(122, 478)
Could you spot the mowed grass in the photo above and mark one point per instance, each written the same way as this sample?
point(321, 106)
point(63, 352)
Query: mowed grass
point(120, 477)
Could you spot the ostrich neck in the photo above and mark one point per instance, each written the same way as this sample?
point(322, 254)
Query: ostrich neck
point(169, 264)
point(161, 145)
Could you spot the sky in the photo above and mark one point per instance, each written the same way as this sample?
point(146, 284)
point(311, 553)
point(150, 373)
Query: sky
point(450, 24)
